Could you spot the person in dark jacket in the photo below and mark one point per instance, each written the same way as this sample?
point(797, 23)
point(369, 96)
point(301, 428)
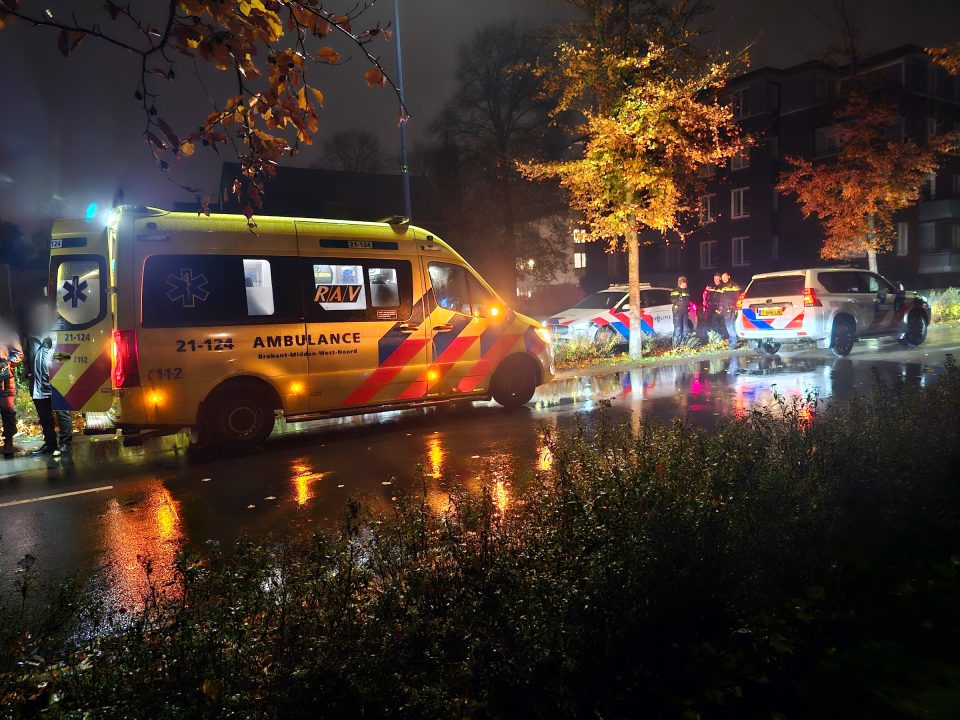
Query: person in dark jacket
point(709, 309)
point(39, 354)
point(680, 297)
point(729, 294)
point(11, 355)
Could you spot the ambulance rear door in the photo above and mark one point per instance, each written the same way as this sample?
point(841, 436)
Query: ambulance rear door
point(79, 280)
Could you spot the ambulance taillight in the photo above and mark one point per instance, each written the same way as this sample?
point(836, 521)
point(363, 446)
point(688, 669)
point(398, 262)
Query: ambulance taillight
point(126, 364)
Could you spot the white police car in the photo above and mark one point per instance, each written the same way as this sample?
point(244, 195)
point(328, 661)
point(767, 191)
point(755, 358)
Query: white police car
point(832, 307)
point(604, 317)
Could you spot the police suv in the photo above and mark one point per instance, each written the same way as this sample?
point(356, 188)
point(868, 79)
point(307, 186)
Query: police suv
point(831, 307)
point(604, 317)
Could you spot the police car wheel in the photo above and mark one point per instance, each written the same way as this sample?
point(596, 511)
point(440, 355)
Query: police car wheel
point(514, 383)
point(769, 348)
point(241, 421)
point(842, 337)
point(916, 331)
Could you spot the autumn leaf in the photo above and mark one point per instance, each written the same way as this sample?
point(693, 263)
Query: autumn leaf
point(375, 77)
point(318, 95)
point(186, 148)
point(328, 55)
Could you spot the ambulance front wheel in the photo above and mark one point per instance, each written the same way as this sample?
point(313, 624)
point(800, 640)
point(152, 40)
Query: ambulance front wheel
point(515, 381)
point(239, 419)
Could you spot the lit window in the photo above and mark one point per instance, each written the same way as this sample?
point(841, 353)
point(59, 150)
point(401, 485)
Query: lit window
point(903, 239)
point(741, 160)
point(708, 208)
point(579, 260)
point(740, 104)
point(708, 251)
point(930, 189)
point(740, 251)
point(740, 203)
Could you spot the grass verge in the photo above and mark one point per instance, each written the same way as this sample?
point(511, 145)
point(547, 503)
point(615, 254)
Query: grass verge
point(800, 562)
point(582, 353)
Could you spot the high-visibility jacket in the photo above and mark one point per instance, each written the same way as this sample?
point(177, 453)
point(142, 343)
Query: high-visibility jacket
point(729, 292)
point(680, 297)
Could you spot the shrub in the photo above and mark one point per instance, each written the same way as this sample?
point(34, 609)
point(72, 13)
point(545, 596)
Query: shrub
point(784, 564)
point(945, 305)
point(581, 352)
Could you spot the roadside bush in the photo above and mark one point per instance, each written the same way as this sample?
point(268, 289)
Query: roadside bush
point(799, 561)
point(582, 352)
point(945, 305)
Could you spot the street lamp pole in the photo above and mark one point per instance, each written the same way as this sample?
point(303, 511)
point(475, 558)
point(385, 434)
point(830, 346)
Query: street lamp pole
point(404, 167)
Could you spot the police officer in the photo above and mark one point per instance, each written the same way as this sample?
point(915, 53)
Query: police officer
point(39, 351)
point(11, 355)
point(680, 297)
point(729, 292)
point(709, 309)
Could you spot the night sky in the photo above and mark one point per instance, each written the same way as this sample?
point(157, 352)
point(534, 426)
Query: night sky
point(71, 132)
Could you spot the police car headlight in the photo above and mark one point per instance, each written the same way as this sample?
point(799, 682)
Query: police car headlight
point(543, 334)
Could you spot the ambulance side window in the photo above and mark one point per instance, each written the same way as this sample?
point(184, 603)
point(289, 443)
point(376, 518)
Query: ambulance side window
point(450, 287)
point(218, 290)
point(79, 290)
point(360, 289)
point(259, 285)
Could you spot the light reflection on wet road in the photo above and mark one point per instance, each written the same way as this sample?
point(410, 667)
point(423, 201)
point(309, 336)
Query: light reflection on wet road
point(162, 495)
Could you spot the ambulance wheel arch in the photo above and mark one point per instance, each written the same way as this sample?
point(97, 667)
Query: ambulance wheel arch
point(239, 412)
point(515, 380)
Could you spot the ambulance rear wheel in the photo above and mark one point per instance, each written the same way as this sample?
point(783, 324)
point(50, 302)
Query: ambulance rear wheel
point(240, 420)
point(514, 382)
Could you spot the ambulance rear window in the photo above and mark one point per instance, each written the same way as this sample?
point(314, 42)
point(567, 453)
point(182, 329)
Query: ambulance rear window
point(775, 287)
point(80, 292)
point(211, 290)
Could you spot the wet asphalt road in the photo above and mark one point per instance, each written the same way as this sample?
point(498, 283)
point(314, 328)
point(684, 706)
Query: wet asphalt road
point(116, 505)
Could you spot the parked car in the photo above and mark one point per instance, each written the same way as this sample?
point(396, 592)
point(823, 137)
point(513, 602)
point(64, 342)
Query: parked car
point(604, 317)
point(831, 307)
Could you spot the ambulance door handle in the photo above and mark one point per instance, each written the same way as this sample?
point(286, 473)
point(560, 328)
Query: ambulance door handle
point(60, 357)
point(445, 327)
point(407, 328)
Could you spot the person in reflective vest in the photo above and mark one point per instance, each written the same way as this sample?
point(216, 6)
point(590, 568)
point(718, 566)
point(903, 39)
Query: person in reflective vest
point(709, 318)
point(11, 355)
point(680, 297)
point(729, 292)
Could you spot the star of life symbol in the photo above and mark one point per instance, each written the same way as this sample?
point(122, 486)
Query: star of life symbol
point(187, 288)
point(75, 291)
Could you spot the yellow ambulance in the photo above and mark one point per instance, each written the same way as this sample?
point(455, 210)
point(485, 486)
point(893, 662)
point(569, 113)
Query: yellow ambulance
point(169, 320)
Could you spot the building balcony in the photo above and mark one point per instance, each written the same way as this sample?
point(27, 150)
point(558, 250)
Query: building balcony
point(939, 262)
point(933, 210)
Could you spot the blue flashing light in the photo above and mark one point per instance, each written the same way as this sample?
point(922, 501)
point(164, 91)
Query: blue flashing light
point(91, 211)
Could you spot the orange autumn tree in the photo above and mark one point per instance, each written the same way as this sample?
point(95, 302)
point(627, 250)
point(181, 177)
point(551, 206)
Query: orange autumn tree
point(874, 175)
point(265, 47)
point(651, 118)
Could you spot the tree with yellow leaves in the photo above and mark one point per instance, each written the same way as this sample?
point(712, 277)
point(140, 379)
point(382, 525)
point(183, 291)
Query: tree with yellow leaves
point(652, 116)
point(875, 174)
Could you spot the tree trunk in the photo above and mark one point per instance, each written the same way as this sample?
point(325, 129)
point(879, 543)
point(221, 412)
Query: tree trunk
point(871, 235)
point(633, 278)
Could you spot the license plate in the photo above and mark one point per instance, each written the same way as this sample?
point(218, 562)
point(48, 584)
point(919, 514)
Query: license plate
point(770, 311)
